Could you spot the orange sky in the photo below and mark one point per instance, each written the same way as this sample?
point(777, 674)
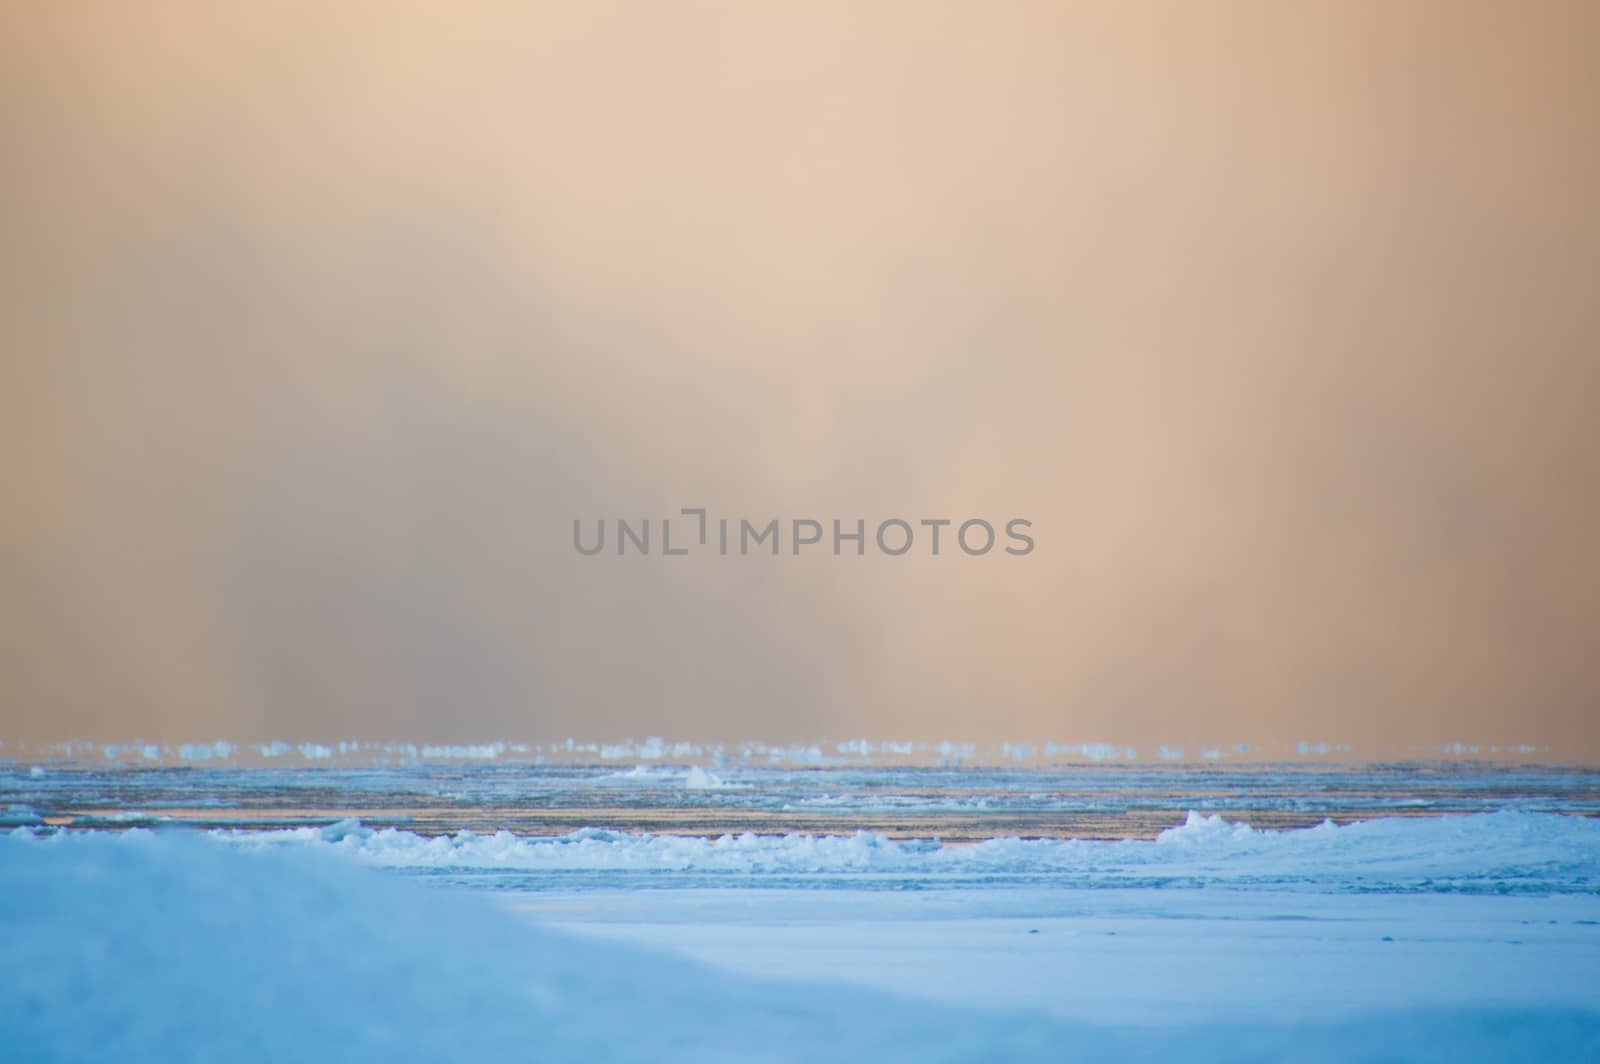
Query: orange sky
point(1280, 322)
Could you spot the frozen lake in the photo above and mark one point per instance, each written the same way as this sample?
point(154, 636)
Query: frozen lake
point(973, 802)
point(1303, 902)
point(1171, 956)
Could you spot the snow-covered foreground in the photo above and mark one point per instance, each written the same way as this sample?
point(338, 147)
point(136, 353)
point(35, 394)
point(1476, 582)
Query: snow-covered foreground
point(1474, 938)
point(158, 949)
point(1141, 957)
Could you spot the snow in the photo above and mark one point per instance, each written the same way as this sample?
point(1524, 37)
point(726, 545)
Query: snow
point(147, 949)
point(693, 778)
point(242, 912)
point(1169, 958)
point(1092, 751)
point(885, 753)
point(146, 946)
point(1490, 853)
point(471, 752)
point(222, 750)
point(19, 814)
point(698, 779)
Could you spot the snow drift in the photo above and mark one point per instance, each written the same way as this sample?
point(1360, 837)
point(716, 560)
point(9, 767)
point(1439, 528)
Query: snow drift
point(1485, 853)
point(148, 947)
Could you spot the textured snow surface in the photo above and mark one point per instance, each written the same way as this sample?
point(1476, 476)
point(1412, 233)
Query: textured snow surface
point(146, 946)
point(1487, 853)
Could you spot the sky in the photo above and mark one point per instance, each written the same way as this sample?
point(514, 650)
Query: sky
point(1279, 323)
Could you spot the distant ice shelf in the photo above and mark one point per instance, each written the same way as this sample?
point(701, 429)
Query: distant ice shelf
point(948, 753)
